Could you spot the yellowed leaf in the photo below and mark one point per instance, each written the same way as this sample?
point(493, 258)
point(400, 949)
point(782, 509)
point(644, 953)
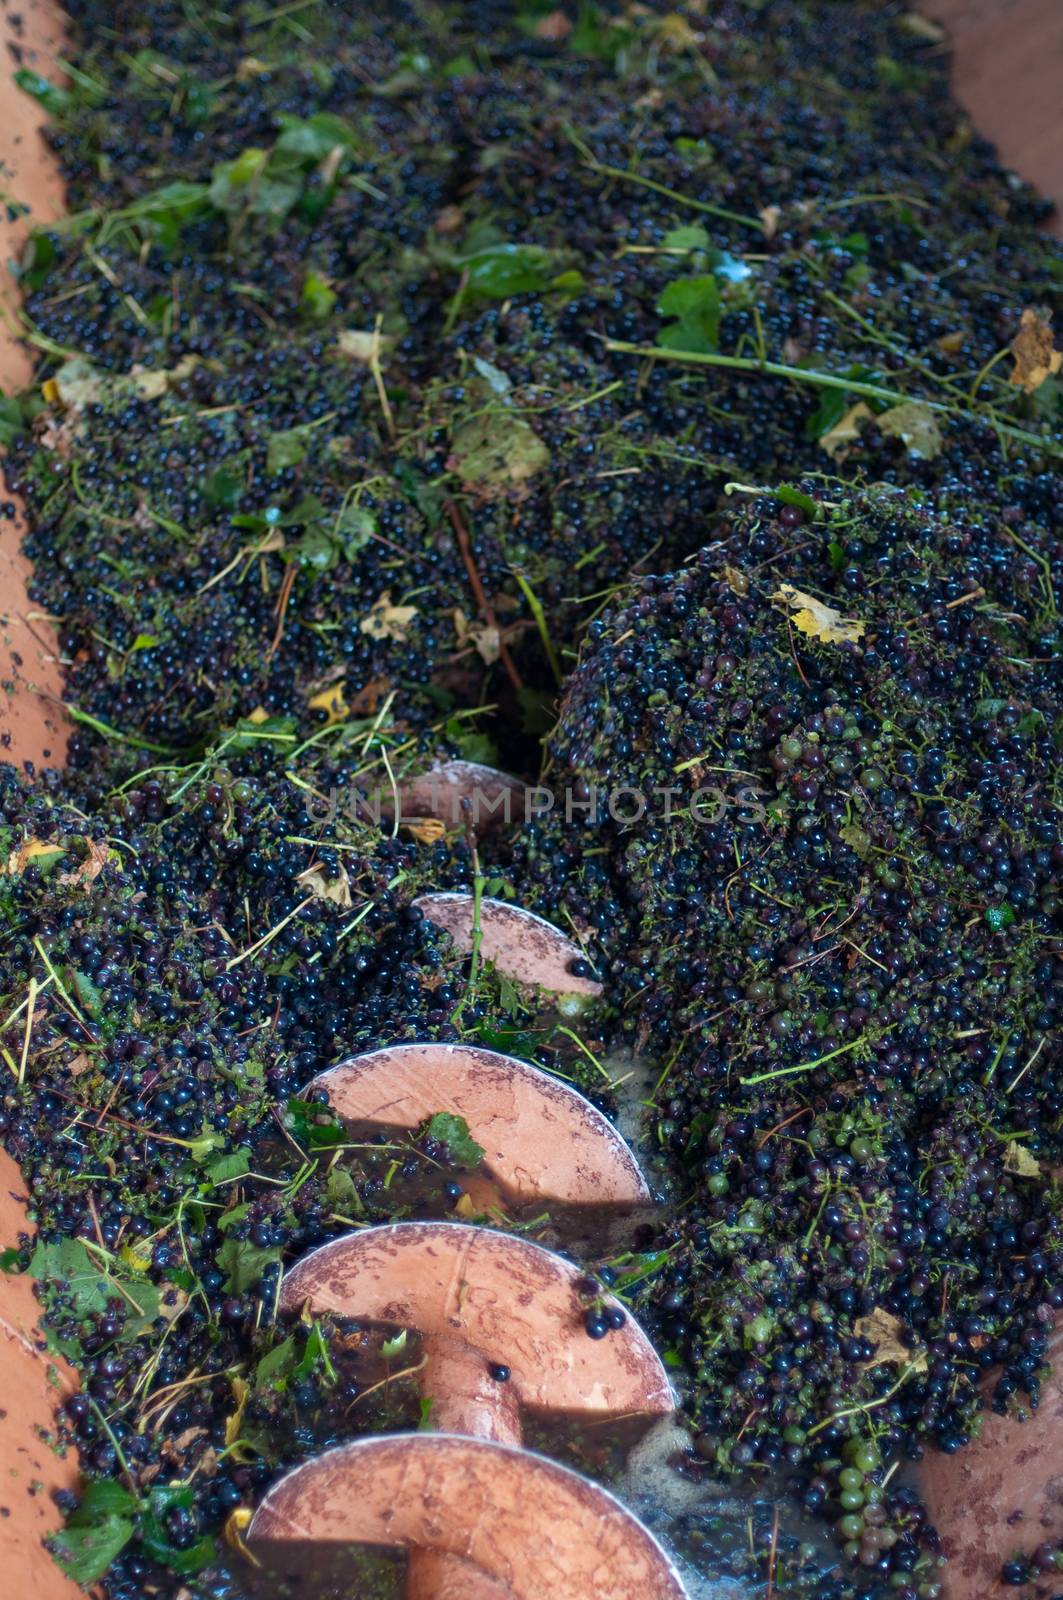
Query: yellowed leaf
point(737, 581)
point(1017, 1159)
point(258, 716)
point(675, 33)
point(858, 840)
point(236, 1525)
point(917, 425)
point(922, 27)
point(40, 850)
point(387, 621)
point(138, 1260)
point(173, 1302)
point(149, 382)
point(770, 217)
point(234, 1422)
point(362, 344)
point(1033, 347)
point(426, 830)
point(950, 344)
point(845, 432)
point(316, 881)
point(886, 1333)
point(816, 620)
point(332, 702)
point(45, 852)
point(483, 636)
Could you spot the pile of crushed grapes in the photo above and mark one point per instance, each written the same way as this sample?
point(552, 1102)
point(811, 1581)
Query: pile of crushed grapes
point(643, 401)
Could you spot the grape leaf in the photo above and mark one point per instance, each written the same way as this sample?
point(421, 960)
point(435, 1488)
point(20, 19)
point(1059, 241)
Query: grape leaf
point(453, 1132)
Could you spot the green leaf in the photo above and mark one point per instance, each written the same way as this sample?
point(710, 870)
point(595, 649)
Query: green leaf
point(695, 305)
point(453, 1132)
point(163, 214)
point(789, 496)
point(38, 258)
point(102, 1498)
point(286, 449)
point(691, 237)
point(354, 528)
point(470, 744)
point(317, 297)
point(394, 1346)
point(244, 1263)
point(12, 420)
point(261, 182)
point(342, 1192)
point(990, 708)
point(315, 137)
point(228, 1167)
point(247, 735)
point(308, 509)
point(276, 1365)
point(501, 270)
point(84, 1554)
point(223, 489)
point(315, 549)
point(315, 1358)
point(55, 101)
point(143, 641)
point(66, 1268)
point(496, 451)
point(11, 1259)
point(87, 992)
point(313, 1125)
point(833, 405)
point(156, 1540)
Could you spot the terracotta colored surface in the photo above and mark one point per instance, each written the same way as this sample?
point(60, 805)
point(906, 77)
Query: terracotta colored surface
point(525, 947)
point(1001, 1496)
point(31, 1385)
point(1007, 71)
point(33, 727)
point(494, 797)
point(537, 1529)
point(542, 1139)
point(508, 1301)
point(435, 1575)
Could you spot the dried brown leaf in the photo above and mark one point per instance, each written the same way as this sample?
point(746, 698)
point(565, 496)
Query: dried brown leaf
point(886, 1333)
point(1033, 347)
point(554, 27)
